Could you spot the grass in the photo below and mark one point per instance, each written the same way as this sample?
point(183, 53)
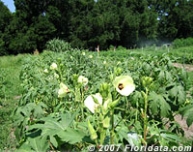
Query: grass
point(10, 67)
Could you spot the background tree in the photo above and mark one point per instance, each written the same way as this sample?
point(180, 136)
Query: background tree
point(30, 29)
point(88, 23)
point(105, 24)
point(5, 18)
point(80, 22)
point(175, 18)
point(138, 22)
point(183, 18)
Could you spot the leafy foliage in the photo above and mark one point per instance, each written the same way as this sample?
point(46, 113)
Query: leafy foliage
point(57, 45)
point(5, 18)
point(65, 123)
point(87, 24)
point(182, 42)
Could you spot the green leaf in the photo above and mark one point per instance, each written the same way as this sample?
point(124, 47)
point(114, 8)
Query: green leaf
point(189, 119)
point(158, 103)
point(153, 105)
point(38, 144)
point(178, 93)
point(168, 76)
point(67, 119)
point(122, 132)
point(53, 125)
point(24, 148)
point(134, 139)
point(170, 137)
point(49, 124)
point(187, 112)
point(71, 135)
point(161, 75)
point(53, 141)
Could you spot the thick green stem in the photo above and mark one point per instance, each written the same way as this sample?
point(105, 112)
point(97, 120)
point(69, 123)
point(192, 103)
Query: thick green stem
point(102, 130)
point(145, 119)
point(102, 135)
point(145, 122)
point(113, 127)
point(82, 102)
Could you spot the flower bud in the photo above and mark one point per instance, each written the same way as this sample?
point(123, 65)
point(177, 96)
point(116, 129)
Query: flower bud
point(59, 59)
point(90, 56)
point(56, 75)
point(106, 122)
point(53, 66)
point(104, 87)
point(111, 77)
point(144, 95)
point(93, 134)
point(118, 71)
point(114, 103)
point(146, 81)
point(63, 90)
point(45, 70)
point(82, 80)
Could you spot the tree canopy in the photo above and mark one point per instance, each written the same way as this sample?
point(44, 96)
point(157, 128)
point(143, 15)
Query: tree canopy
point(88, 23)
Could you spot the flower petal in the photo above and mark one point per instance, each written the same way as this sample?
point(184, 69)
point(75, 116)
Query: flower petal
point(82, 80)
point(90, 102)
point(124, 85)
point(53, 66)
point(127, 90)
point(63, 90)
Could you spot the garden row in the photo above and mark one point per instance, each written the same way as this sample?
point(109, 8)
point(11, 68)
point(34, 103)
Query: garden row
point(75, 99)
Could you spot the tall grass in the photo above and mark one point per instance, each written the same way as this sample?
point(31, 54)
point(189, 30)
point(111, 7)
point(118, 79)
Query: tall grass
point(10, 91)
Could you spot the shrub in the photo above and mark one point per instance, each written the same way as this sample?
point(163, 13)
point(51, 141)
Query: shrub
point(57, 45)
point(182, 42)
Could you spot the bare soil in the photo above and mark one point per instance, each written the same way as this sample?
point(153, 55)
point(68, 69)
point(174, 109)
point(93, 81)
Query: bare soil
point(178, 118)
point(187, 67)
point(188, 131)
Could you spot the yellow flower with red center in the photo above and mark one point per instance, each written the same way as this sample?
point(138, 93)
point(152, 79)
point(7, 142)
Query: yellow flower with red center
point(124, 85)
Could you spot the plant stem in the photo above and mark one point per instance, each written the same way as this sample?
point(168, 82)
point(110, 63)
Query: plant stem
point(145, 119)
point(113, 128)
point(82, 102)
point(102, 136)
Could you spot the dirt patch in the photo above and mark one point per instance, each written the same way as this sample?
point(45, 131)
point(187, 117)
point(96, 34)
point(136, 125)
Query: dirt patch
point(182, 122)
point(187, 67)
point(178, 118)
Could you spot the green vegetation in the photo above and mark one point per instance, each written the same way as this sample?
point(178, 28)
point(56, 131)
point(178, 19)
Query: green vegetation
point(43, 100)
point(182, 42)
point(86, 24)
point(57, 45)
point(67, 98)
point(10, 90)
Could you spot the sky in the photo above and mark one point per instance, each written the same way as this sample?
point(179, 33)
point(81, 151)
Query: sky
point(9, 4)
